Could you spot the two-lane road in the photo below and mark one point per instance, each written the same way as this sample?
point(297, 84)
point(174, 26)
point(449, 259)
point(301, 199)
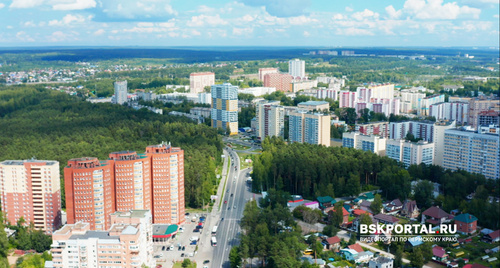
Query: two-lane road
point(228, 229)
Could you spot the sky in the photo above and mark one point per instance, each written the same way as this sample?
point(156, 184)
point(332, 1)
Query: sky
point(328, 23)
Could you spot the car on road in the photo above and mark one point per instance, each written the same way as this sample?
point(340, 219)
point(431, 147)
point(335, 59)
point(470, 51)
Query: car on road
point(221, 219)
point(179, 248)
point(234, 207)
point(183, 248)
point(225, 202)
point(196, 230)
point(193, 238)
point(193, 243)
point(163, 248)
point(182, 255)
point(228, 208)
point(227, 191)
point(206, 261)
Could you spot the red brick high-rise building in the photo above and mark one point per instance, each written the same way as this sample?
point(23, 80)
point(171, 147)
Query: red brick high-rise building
point(90, 191)
point(282, 82)
point(167, 165)
point(127, 181)
point(31, 189)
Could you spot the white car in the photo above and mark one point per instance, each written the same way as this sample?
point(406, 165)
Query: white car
point(171, 247)
point(194, 238)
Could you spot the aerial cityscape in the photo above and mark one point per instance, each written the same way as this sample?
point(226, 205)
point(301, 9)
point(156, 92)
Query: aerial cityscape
point(249, 133)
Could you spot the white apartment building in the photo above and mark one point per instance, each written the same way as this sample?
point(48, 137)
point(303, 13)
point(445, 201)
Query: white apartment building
point(371, 143)
point(438, 139)
point(128, 243)
point(312, 128)
point(379, 91)
point(457, 111)
point(120, 92)
point(198, 81)
point(410, 153)
point(327, 94)
point(303, 85)
point(425, 104)
point(257, 91)
point(297, 68)
point(270, 119)
point(31, 189)
point(347, 99)
point(419, 129)
point(473, 152)
point(410, 100)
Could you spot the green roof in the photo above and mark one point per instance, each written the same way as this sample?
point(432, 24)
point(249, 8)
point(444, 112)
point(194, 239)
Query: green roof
point(325, 199)
point(369, 196)
point(467, 218)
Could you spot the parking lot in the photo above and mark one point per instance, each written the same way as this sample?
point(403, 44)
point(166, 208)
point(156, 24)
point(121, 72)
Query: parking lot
point(180, 246)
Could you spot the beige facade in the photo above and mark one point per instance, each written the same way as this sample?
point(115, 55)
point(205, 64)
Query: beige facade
point(477, 105)
point(31, 189)
point(264, 71)
point(198, 81)
point(312, 128)
point(270, 119)
point(438, 140)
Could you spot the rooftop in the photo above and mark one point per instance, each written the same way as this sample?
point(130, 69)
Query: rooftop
point(314, 103)
point(135, 213)
point(32, 160)
point(94, 234)
point(466, 218)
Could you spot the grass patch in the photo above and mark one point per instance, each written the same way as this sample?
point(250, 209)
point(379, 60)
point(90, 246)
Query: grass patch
point(239, 147)
point(243, 157)
point(342, 263)
point(179, 265)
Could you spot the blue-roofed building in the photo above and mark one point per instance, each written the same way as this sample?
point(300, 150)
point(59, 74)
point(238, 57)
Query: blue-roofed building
point(414, 242)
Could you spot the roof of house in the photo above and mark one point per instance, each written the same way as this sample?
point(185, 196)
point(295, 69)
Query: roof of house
point(325, 199)
point(495, 234)
point(438, 251)
point(416, 241)
point(466, 218)
point(396, 203)
point(386, 218)
point(486, 231)
point(365, 203)
point(333, 240)
point(349, 250)
point(410, 205)
point(356, 247)
point(368, 195)
point(436, 212)
point(358, 212)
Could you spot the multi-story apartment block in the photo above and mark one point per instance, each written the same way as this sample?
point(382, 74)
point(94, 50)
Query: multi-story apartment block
point(264, 71)
point(282, 82)
point(410, 153)
point(314, 105)
point(385, 106)
point(374, 128)
point(425, 104)
point(473, 152)
point(198, 81)
point(200, 111)
point(477, 105)
point(410, 100)
point(303, 85)
point(90, 192)
point(371, 143)
point(419, 129)
point(257, 91)
point(486, 118)
point(438, 139)
point(270, 119)
point(128, 243)
point(167, 166)
point(312, 128)
point(297, 68)
point(457, 111)
point(327, 94)
point(132, 180)
point(120, 92)
point(225, 107)
point(333, 82)
point(347, 99)
point(378, 91)
point(31, 189)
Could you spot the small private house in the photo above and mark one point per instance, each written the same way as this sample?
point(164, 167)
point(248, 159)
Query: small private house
point(356, 247)
point(386, 219)
point(413, 243)
point(493, 237)
point(436, 216)
point(393, 207)
point(410, 209)
point(381, 262)
point(365, 205)
point(326, 201)
point(345, 214)
point(349, 254)
point(439, 254)
point(333, 243)
point(466, 223)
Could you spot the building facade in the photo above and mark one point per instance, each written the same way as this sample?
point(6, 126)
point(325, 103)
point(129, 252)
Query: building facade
point(410, 153)
point(477, 105)
point(282, 82)
point(314, 105)
point(128, 243)
point(297, 68)
point(371, 143)
point(198, 81)
point(31, 189)
point(425, 104)
point(327, 94)
point(419, 129)
point(90, 192)
point(410, 100)
point(374, 128)
point(264, 71)
point(486, 118)
point(120, 92)
point(473, 152)
point(457, 111)
point(225, 107)
point(438, 139)
point(167, 166)
point(312, 128)
point(347, 99)
point(270, 119)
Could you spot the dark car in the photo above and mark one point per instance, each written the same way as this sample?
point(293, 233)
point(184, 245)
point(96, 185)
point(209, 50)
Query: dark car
point(193, 243)
point(231, 195)
point(182, 255)
point(179, 248)
point(163, 248)
point(221, 219)
point(229, 208)
point(206, 261)
point(183, 248)
point(196, 230)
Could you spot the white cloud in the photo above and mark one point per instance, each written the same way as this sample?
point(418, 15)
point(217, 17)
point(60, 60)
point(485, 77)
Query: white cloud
point(338, 17)
point(69, 19)
point(496, 16)
point(206, 9)
point(73, 4)
point(2, 5)
point(131, 10)
point(25, 3)
point(349, 9)
point(435, 9)
point(248, 18)
point(99, 32)
point(391, 11)
point(29, 24)
point(280, 8)
point(202, 20)
point(354, 31)
point(10, 27)
point(173, 34)
point(59, 36)
point(22, 36)
point(301, 20)
point(306, 34)
point(242, 31)
point(365, 14)
point(195, 32)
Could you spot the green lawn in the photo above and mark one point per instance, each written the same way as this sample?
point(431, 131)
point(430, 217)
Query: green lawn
point(244, 164)
point(179, 265)
point(239, 147)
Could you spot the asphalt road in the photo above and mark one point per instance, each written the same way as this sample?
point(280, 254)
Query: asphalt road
point(228, 229)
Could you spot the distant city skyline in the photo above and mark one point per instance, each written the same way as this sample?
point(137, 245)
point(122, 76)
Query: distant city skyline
point(29, 23)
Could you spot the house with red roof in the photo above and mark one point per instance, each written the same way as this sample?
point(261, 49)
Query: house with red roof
point(386, 219)
point(493, 237)
point(439, 254)
point(333, 243)
point(436, 216)
point(356, 247)
point(359, 212)
point(466, 223)
point(345, 215)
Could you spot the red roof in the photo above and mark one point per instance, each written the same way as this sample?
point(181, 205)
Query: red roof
point(475, 265)
point(333, 240)
point(438, 251)
point(344, 212)
point(358, 212)
point(356, 247)
point(436, 213)
point(495, 234)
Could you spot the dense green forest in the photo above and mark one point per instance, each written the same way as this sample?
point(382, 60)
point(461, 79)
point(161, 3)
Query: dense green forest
point(312, 171)
point(50, 125)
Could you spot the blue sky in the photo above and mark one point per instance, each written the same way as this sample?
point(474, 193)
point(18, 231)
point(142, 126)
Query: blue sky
point(329, 23)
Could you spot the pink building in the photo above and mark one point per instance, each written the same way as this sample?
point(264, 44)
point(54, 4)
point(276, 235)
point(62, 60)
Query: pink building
point(347, 99)
point(282, 82)
point(264, 71)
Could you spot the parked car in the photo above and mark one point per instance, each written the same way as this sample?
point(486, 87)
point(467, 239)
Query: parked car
point(183, 248)
point(182, 255)
point(196, 230)
point(225, 202)
point(163, 248)
point(206, 261)
point(193, 243)
point(171, 248)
